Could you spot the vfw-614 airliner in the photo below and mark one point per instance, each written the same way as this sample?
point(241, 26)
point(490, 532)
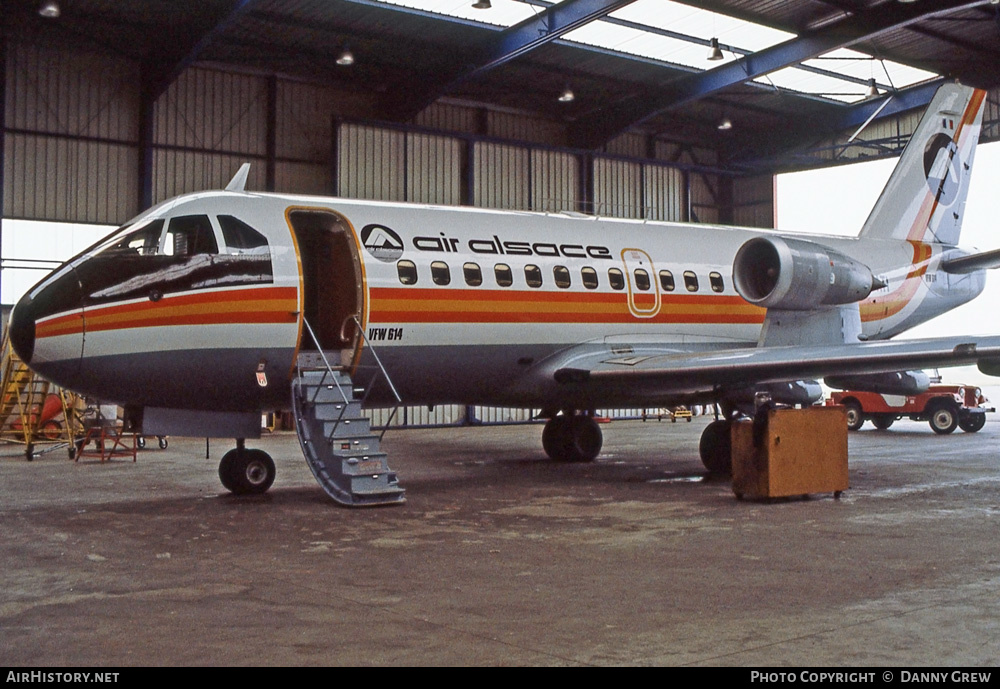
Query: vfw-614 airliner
point(211, 307)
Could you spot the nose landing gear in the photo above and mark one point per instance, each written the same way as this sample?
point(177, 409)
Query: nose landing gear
point(246, 472)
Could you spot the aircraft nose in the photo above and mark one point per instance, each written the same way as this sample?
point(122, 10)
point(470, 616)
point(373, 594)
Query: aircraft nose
point(22, 329)
point(47, 327)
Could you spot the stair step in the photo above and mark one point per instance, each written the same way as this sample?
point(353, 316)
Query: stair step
point(337, 442)
point(337, 411)
point(347, 428)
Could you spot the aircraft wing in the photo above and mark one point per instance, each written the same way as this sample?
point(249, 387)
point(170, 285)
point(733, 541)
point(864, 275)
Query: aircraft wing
point(666, 373)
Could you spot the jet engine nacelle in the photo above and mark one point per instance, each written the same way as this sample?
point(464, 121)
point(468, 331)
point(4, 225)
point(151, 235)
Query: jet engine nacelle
point(798, 275)
point(897, 383)
point(802, 392)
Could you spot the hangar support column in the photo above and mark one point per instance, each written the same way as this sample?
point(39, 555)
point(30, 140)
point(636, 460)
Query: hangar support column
point(3, 135)
point(585, 204)
point(147, 105)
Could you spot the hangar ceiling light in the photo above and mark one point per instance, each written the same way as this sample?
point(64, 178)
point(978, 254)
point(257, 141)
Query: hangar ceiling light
point(49, 9)
point(346, 58)
point(677, 34)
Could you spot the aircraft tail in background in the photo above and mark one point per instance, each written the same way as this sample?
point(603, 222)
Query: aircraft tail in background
point(924, 199)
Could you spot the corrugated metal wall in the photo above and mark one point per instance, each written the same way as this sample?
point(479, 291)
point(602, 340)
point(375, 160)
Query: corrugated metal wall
point(71, 123)
point(555, 181)
point(753, 201)
point(664, 194)
point(518, 127)
point(617, 188)
point(434, 169)
point(704, 198)
point(627, 145)
point(304, 143)
point(372, 163)
point(392, 165)
point(205, 126)
point(449, 118)
point(502, 176)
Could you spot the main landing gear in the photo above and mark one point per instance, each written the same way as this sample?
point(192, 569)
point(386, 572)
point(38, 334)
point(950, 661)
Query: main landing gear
point(246, 472)
point(716, 448)
point(572, 438)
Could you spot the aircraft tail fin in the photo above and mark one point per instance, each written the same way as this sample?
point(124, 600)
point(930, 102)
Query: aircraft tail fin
point(924, 199)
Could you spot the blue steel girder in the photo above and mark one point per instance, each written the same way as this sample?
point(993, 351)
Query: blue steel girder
point(788, 146)
point(507, 45)
point(609, 122)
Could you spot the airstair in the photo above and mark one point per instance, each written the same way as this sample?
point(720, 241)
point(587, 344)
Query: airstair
point(340, 448)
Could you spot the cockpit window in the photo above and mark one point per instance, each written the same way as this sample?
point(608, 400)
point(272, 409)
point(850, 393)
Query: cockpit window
point(238, 235)
point(189, 235)
point(142, 242)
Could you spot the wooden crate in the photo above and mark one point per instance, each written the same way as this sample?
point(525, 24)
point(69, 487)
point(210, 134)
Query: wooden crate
point(801, 451)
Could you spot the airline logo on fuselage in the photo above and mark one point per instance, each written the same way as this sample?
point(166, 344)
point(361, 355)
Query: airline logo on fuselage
point(498, 247)
point(382, 243)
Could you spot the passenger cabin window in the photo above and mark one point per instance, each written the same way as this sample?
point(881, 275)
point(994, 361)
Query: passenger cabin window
point(561, 276)
point(616, 278)
point(589, 276)
point(407, 271)
point(533, 276)
point(504, 275)
point(641, 280)
point(666, 281)
point(239, 236)
point(144, 241)
point(189, 235)
point(690, 281)
point(473, 274)
point(715, 280)
point(440, 273)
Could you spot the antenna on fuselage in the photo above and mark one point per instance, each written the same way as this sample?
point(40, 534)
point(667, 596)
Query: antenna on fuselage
point(239, 180)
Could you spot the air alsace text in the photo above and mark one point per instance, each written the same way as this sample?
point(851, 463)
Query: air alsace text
point(498, 247)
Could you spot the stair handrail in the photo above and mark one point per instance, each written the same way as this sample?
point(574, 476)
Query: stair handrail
point(385, 374)
point(329, 369)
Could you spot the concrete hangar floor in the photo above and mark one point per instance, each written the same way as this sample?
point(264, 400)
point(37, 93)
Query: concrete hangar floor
point(502, 557)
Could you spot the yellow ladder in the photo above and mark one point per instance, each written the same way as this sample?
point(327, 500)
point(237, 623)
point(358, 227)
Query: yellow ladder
point(23, 396)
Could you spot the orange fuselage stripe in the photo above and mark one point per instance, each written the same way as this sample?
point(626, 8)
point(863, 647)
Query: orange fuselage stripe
point(394, 305)
point(261, 305)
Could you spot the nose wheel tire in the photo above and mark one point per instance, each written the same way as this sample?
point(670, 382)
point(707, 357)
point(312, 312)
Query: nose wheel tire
point(246, 472)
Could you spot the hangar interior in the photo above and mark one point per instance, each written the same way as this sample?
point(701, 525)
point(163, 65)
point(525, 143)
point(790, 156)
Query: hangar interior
point(645, 109)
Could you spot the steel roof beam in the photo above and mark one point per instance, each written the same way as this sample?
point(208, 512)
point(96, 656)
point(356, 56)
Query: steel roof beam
point(597, 130)
point(776, 151)
point(509, 44)
point(204, 31)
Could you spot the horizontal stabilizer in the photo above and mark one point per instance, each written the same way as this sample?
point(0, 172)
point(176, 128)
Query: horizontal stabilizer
point(973, 262)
